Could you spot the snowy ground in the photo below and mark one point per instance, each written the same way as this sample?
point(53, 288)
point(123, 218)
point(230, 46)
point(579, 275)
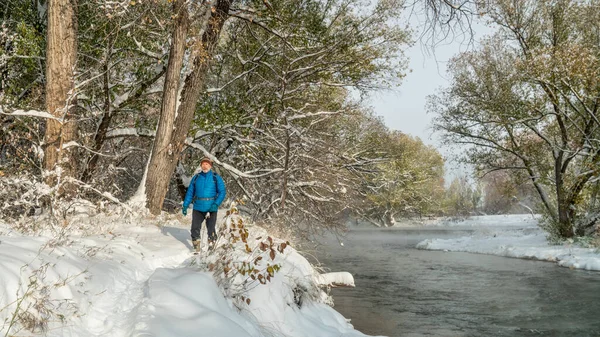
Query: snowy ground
point(132, 276)
point(122, 275)
point(515, 236)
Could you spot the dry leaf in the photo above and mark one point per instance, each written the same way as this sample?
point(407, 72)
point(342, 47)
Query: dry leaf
point(272, 254)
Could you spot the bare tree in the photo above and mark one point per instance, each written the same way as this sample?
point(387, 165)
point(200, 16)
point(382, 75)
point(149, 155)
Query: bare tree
point(446, 20)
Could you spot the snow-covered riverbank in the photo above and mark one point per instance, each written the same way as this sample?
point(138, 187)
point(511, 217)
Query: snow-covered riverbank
point(516, 236)
point(123, 276)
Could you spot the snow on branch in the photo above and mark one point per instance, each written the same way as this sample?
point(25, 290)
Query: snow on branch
point(316, 198)
point(228, 167)
point(71, 144)
point(31, 113)
point(5, 57)
point(320, 113)
point(145, 51)
point(130, 132)
point(106, 195)
point(254, 21)
point(301, 184)
point(211, 90)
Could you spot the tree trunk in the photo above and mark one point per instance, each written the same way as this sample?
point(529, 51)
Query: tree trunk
point(565, 221)
point(574, 198)
point(61, 55)
point(157, 181)
point(565, 225)
point(166, 152)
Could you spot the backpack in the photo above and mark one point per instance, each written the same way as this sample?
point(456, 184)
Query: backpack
point(214, 176)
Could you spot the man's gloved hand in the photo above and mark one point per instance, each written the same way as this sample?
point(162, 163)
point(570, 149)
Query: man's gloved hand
point(207, 215)
point(184, 211)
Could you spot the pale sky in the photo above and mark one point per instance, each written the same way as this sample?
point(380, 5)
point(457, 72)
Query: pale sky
point(404, 108)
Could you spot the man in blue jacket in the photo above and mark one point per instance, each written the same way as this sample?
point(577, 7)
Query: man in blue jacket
point(206, 192)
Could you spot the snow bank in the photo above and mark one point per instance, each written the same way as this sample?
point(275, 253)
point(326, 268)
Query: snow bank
point(503, 220)
point(185, 303)
point(124, 276)
point(291, 303)
point(517, 237)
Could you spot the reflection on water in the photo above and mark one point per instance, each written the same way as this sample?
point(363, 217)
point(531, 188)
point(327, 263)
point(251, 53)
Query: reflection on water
point(401, 291)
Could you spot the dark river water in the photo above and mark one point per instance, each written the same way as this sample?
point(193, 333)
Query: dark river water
point(402, 291)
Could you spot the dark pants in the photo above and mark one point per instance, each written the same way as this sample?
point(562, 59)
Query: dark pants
point(197, 219)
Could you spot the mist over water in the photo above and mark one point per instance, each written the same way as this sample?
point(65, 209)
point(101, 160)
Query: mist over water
point(402, 291)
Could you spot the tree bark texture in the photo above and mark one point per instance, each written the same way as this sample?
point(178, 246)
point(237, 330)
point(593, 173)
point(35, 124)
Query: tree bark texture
point(157, 180)
point(61, 56)
point(165, 161)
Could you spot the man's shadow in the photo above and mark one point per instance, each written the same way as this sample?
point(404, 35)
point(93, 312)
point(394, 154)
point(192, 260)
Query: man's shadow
point(180, 234)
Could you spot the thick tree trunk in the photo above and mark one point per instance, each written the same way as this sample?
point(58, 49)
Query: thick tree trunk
point(157, 181)
point(565, 225)
point(574, 198)
point(166, 157)
point(61, 56)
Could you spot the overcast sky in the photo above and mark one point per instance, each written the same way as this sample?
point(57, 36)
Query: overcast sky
point(404, 108)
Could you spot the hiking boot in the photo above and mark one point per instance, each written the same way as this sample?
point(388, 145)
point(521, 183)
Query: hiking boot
point(211, 244)
point(196, 244)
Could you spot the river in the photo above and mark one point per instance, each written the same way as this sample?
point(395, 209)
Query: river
point(402, 291)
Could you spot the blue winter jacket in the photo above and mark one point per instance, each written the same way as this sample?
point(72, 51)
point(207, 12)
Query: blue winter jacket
point(206, 191)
